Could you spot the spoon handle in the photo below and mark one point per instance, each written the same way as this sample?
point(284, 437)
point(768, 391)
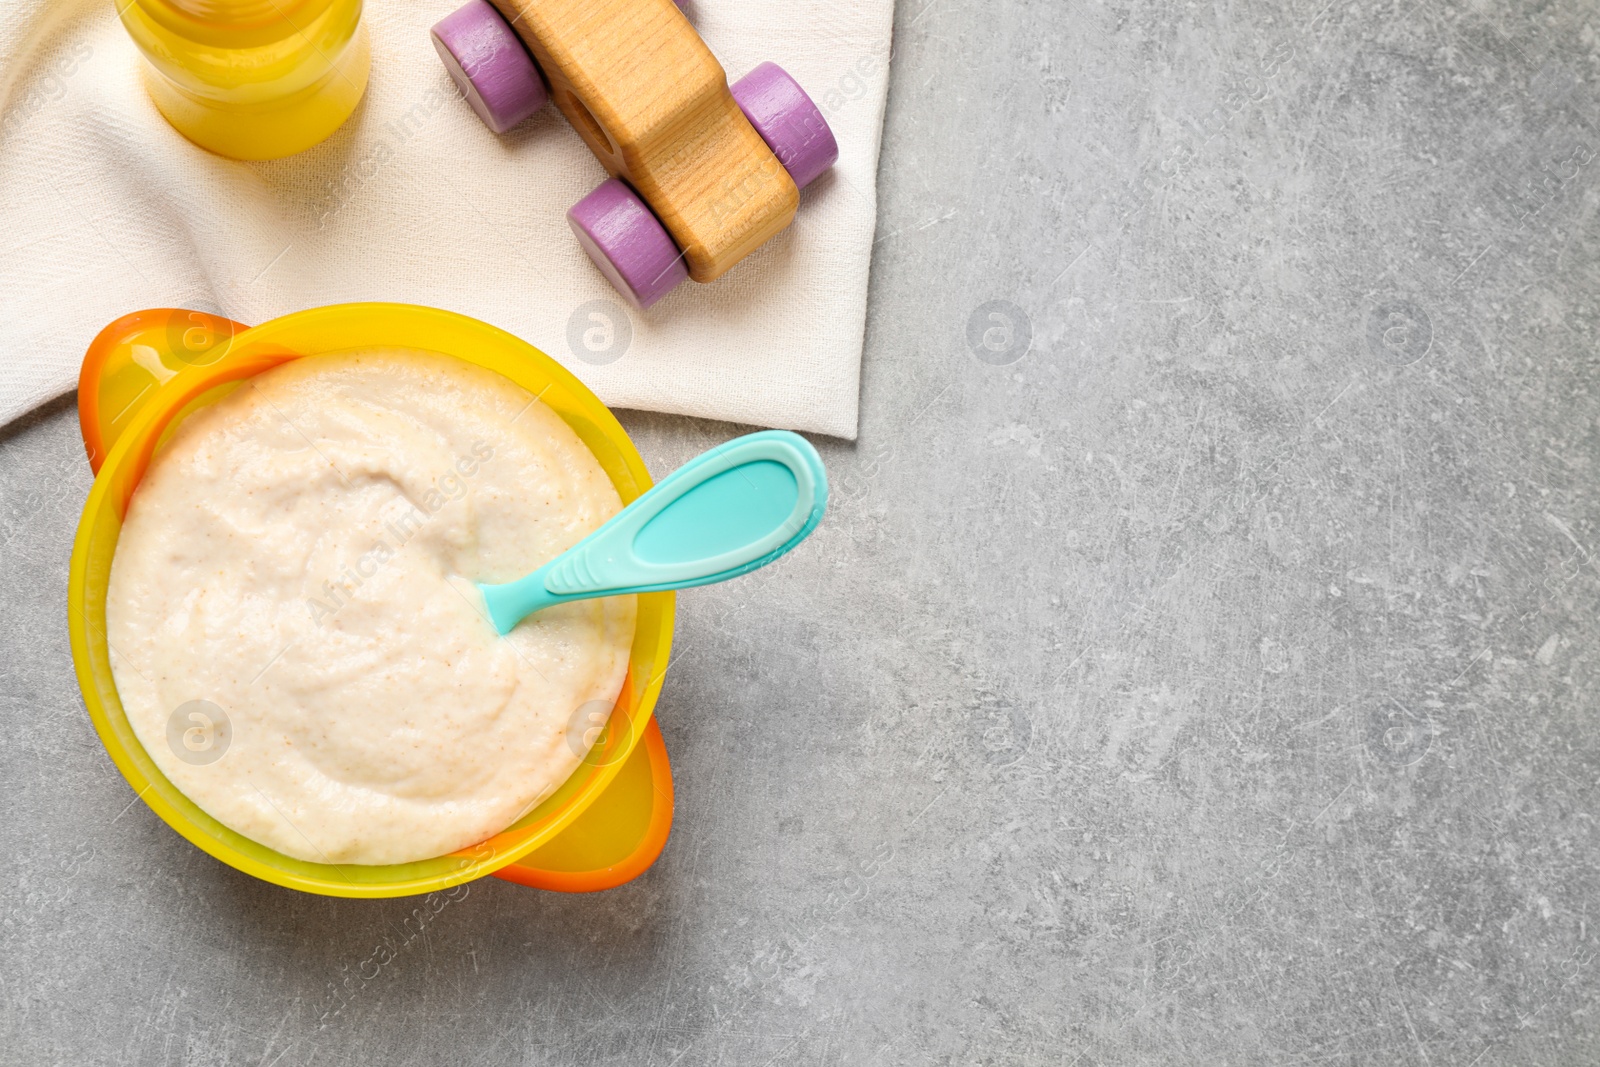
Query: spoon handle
point(724, 513)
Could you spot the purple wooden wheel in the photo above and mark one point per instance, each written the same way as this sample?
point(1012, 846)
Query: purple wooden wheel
point(788, 121)
point(627, 243)
point(490, 64)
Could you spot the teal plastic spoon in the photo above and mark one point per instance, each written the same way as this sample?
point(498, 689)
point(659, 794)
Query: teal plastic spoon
point(724, 513)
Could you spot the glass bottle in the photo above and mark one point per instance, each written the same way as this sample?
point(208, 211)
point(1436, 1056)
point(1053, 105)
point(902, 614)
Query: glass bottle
point(252, 79)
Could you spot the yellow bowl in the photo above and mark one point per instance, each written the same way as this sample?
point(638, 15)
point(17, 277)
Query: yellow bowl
point(191, 362)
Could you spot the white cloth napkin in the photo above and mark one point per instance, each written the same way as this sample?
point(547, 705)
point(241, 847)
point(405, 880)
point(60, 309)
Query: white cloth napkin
point(105, 209)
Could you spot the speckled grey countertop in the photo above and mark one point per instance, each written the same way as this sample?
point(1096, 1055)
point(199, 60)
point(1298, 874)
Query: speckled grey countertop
point(1198, 665)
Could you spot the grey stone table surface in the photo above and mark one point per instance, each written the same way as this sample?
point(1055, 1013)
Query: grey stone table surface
point(1198, 664)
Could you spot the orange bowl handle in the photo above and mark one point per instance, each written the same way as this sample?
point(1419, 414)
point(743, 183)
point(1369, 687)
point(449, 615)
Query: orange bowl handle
point(131, 357)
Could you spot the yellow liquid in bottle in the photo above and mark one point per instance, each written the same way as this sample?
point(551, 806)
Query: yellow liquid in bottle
point(252, 79)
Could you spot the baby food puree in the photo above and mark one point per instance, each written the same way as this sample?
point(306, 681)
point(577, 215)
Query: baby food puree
point(295, 558)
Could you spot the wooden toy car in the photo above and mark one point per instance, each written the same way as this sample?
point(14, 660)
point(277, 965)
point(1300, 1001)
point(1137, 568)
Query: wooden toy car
point(702, 174)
